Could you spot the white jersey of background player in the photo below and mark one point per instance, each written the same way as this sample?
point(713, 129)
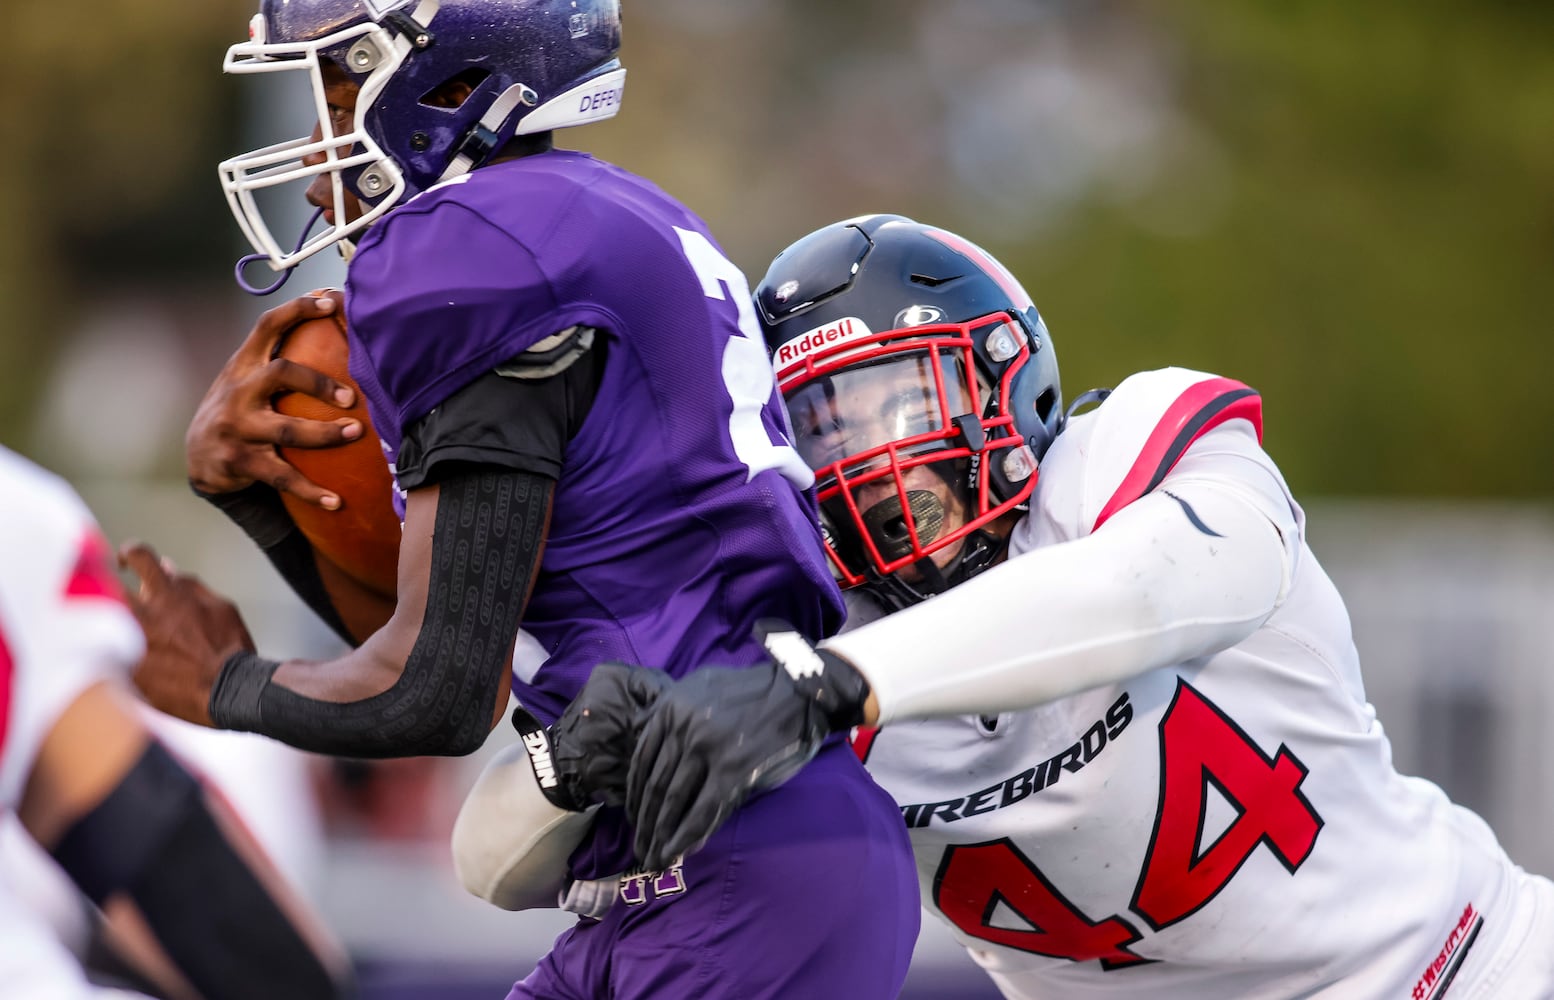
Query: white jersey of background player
point(90, 784)
point(59, 635)
point(1234, 817)
point(1135, 755)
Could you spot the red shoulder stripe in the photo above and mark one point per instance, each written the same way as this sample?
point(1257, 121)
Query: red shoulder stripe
point(1202, 407)
point(7, 668)
point(862, 741)
point(93, 573)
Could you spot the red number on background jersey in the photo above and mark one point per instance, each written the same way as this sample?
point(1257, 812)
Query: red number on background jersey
point(93, 574)
point(1199, 745)
point(974, 879)
point(7, 668)
point(861, 739)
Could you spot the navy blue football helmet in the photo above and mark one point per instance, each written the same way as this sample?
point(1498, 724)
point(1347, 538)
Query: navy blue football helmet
point(531, 65)
point(910, 361)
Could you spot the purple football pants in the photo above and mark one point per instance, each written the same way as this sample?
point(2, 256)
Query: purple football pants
point(807, 893)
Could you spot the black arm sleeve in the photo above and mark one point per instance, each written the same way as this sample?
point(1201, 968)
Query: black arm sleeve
point(496, 448)
point(258, 510)
point(153, 838)
point(486, 545)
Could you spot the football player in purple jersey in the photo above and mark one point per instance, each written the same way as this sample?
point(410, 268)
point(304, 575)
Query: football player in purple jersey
point(576, 402)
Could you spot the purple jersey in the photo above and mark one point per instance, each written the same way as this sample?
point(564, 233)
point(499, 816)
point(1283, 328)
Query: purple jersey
point(681, 515)
point(809, 893)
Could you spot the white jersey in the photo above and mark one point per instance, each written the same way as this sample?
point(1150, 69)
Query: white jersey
point(63, 628)
point(1229, 826)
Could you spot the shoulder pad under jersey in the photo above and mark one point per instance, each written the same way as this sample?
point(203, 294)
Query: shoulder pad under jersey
point(1145, 426)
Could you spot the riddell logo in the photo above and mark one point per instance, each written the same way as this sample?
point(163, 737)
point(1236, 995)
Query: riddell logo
point(820, 338)
point(539, 755)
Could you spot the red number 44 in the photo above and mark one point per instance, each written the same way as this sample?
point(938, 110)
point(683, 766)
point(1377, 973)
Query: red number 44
point(1199, 746)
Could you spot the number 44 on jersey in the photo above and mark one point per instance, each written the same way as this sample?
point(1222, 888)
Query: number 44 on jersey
point(1199, 746)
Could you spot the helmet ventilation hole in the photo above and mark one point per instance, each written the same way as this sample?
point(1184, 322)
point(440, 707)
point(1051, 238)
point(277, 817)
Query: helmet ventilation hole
point(453, 92)
point(1045, 403)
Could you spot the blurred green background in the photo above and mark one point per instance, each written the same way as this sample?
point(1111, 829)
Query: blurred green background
point(1348, 206)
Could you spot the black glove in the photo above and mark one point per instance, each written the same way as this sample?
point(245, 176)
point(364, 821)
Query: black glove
point(716, 736)
point(590, 745)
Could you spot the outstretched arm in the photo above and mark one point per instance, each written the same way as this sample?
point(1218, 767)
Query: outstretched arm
point(1187, 570)
point(1183, 572)
point(143, 839)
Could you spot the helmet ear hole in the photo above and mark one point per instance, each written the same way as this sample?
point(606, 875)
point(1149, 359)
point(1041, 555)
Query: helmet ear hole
point(454, 91)
point(1044, 404)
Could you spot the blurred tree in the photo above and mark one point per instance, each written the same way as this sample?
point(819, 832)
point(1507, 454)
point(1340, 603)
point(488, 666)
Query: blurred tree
point(1349, 206)
point(113, 117)
point(1381, 261)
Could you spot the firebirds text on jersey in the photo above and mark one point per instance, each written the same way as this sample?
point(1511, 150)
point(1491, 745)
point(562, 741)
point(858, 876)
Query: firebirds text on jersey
point(1031, 780)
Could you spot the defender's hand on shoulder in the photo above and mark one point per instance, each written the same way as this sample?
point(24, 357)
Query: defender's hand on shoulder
point(718, 735)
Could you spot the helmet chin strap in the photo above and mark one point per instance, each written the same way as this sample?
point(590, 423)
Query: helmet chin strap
point(480, 142)
point(286, 273)
point(885, 523)
point(979, 551)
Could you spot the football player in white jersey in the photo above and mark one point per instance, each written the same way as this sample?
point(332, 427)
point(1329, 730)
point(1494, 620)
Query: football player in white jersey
point(1118, 702)
point(134, 830)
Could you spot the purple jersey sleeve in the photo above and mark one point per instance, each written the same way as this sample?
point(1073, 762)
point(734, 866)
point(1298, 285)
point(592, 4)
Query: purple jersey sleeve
point(448, 298)
point(681, 514)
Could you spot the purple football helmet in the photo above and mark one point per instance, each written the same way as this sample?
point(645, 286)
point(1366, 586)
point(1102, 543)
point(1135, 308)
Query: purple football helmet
point(532, 66)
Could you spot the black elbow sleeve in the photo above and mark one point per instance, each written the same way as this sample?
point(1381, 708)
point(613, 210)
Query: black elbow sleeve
point(153, 839)
point(260, 512)
point(487, 540)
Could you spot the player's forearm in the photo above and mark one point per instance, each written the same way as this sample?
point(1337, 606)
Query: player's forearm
point(431, 681)
point(155, 842)
point(275, 951)
point(370, 703)
point(1147, 590)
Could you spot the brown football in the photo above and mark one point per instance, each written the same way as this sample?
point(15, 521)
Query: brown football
point(362, 536)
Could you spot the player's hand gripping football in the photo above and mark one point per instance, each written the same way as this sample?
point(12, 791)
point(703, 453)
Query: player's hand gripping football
point(710, 740)
point(190, 630)
point(232, 440)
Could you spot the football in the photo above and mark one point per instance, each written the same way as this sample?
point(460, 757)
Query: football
point(362, 536)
